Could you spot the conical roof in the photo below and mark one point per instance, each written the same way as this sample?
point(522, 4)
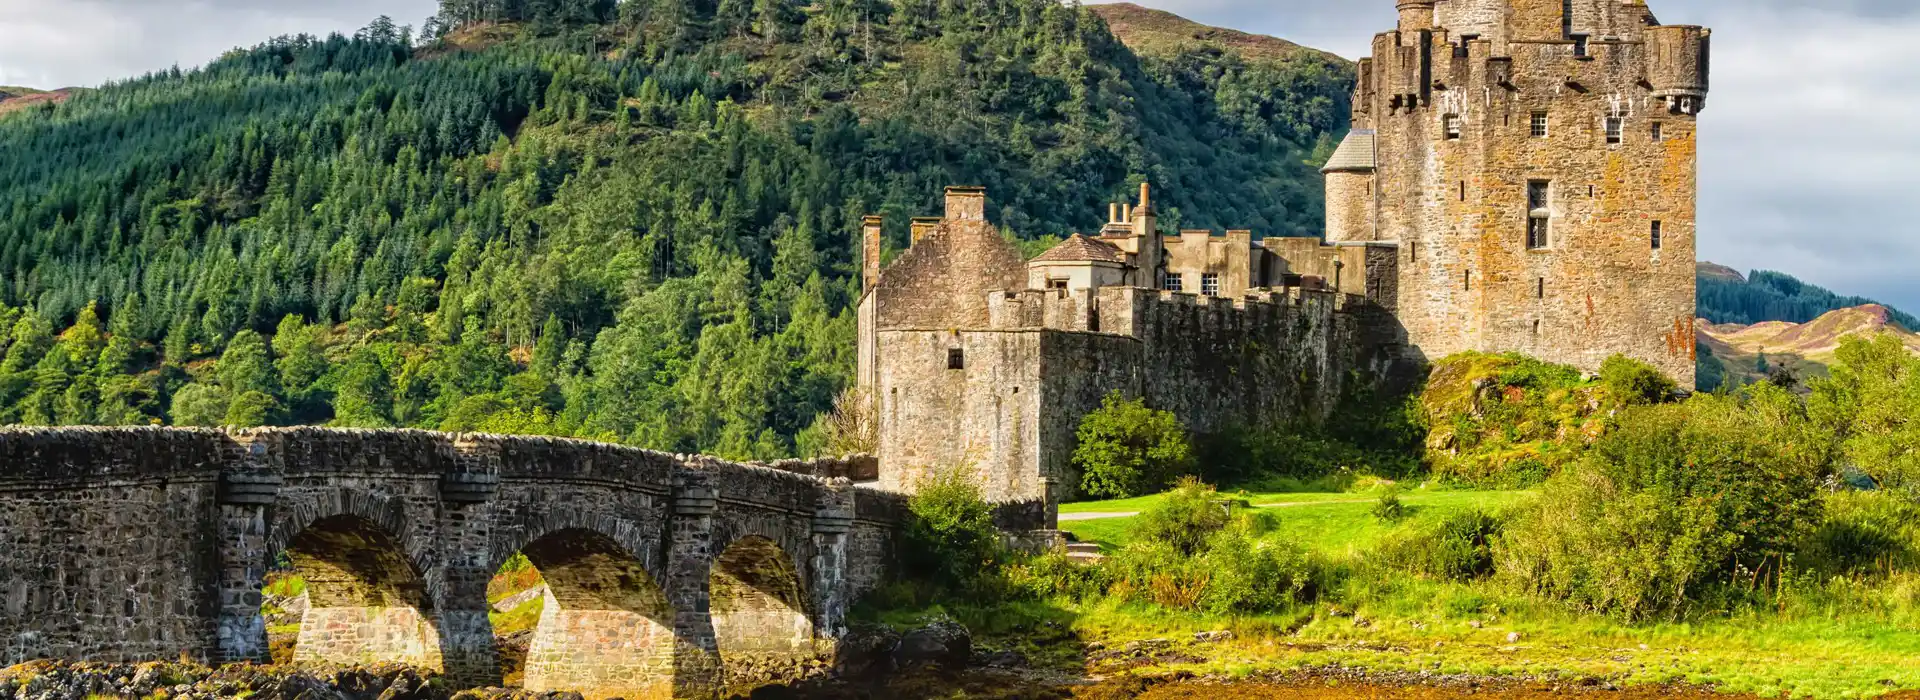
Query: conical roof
point(1354, 155)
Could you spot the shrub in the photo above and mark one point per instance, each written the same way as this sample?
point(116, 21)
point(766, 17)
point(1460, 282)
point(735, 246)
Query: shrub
point(1185, 519)
point(1389, 509)
point(950, 538)
point(1253, 574)
point(1126, 449)
point(1458, 548)
point(1635, 383)
point(1054, 574)
point(1675, 500)
point(1864, 533)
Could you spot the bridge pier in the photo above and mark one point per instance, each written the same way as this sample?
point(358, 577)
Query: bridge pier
point(240, 630)
point(697, 670)
point(832, 522)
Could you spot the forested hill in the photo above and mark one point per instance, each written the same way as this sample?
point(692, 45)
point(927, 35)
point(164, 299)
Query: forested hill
point(1727, 297)
point(630, 222)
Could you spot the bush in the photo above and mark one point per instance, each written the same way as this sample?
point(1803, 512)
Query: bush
point(1458, 548)
point(1873, 532)
point(1389, 509)
point(1054, 574)
point(1126, 449)
point(1185, 520)
point(950, 539)
point(1674, 501)
point(1635, 383)
point(1251, 573)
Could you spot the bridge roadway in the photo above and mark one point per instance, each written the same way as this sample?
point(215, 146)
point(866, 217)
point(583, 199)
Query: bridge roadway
point(668, 575)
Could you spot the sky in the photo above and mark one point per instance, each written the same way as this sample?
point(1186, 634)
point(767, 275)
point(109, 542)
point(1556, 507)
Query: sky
point(1807, 160)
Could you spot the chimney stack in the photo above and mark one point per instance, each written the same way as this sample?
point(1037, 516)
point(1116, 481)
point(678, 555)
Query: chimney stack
point(1113, 212)
point(921, 227)
point(966, 204)
point(870, 251)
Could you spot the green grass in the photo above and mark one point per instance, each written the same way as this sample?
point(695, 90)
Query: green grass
point(1823, 642)
point(1334, 523)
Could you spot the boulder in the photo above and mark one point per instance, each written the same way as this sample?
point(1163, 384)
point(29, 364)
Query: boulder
point(942, 643)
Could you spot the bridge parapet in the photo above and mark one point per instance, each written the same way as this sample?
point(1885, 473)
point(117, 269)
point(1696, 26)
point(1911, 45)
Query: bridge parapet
point(144, 543)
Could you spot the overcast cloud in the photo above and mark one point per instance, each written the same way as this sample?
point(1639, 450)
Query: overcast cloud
point(1806, 156)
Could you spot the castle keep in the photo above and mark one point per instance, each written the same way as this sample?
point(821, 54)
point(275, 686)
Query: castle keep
point(1534, 160)
point(1520, 177)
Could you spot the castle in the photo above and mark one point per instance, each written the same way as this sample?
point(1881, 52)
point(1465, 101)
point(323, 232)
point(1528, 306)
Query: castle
point(1520, 176)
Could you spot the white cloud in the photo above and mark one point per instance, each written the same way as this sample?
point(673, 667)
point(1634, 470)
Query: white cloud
point(66, 43)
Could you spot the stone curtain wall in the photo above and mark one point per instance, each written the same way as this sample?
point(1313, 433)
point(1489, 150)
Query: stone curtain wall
point(135, 544)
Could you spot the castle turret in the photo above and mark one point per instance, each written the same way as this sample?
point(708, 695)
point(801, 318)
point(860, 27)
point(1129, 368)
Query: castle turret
point(1416, 15)
point(1535, 161)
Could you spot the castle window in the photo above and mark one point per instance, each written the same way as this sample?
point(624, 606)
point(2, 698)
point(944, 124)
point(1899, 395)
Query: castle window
point(1616, 130)
point(956, 358)
point(1539, 130)
point(1536, 327)
point(1463, 190)
point(1657, 242)
point(1451, 123)
point(1540, 288)
point(1656, 131)
point(1210, 284)
point(1579, 46)
point(1466, 280)
point(1539, 215)
point(1057, 284)
point(1171, 282)
point(1566, 18)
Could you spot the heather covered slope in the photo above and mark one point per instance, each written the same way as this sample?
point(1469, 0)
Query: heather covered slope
point(1805, 349)
point(630, 224)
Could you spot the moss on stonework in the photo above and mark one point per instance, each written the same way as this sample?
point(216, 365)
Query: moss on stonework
point(1509, 420)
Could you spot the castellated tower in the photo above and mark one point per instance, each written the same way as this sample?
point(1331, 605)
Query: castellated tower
point(1535, 163)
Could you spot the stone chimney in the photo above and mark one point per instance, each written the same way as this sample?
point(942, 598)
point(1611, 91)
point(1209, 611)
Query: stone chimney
point(966, 204)
point(923, 226)
point(870, 251)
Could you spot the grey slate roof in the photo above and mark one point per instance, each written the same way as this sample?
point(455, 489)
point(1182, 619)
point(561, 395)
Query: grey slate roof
point(1354, 155)
point(1078, 248)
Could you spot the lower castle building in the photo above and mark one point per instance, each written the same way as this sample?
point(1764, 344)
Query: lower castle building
point(980, 360)
point(1520, 177)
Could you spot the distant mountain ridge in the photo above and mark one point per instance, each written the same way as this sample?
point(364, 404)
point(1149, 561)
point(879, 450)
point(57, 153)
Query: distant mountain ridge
point(1727, 297)
point(1805, 349)
point(13, 98)
point(1165, 34)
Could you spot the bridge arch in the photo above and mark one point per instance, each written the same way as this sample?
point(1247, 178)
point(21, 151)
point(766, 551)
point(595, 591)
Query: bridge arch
point(605, 627)
point(762, 613)
point(366, 600)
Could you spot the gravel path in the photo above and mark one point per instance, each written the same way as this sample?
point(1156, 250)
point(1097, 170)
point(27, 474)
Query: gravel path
point(1082, 517)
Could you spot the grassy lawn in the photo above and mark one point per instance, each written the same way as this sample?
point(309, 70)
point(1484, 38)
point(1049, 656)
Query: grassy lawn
point(1336, 523)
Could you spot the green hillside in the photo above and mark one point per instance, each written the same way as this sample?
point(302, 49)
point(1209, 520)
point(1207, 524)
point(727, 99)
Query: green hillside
point(1726, 296)
point(626, 222)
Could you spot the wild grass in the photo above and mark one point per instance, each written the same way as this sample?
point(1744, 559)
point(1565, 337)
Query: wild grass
point(1838, 635)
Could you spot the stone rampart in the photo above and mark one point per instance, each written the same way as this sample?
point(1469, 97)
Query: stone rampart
point(667, 574)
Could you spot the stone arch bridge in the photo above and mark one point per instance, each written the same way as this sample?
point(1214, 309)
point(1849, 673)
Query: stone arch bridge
point(667, 576)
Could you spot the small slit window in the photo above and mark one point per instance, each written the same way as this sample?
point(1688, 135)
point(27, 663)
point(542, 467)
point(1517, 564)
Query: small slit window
point(1466, 280)
point(1538, 127)
point(1463, 190)
point(1616, 130)
point(1450, 124)
point(1657, 235)
point(1580, 46)
point(1210, 284)
point(1657, 132)
point(1540, 288)
point(956, 358)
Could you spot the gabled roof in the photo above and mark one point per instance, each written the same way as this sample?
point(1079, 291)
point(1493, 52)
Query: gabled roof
point(1078, 248)
point(1354, 155)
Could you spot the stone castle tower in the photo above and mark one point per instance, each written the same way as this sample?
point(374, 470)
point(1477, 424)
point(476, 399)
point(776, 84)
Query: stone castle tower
point(1535, 163)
